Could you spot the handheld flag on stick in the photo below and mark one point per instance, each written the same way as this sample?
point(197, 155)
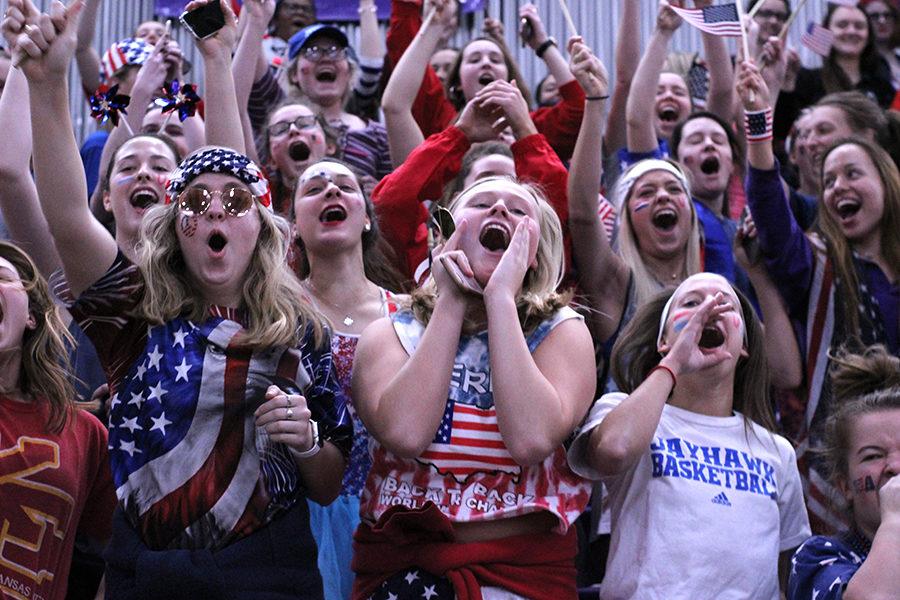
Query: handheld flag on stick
point(790, 21)
point(722, 20)
point(573, 32)
point(817, 38)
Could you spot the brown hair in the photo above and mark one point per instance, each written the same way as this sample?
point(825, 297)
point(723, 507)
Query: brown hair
point(862, 383)
point(473, 155)
point(45, 370)
point(834, 79)
point(514, 75)
point(839, 246)
point(635, 353)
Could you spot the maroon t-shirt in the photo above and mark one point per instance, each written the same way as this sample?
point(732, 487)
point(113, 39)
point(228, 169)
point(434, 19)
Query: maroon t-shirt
point(52, 486)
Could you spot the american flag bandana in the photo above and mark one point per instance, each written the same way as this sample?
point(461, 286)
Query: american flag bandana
point(123, 53)
point(219, 160)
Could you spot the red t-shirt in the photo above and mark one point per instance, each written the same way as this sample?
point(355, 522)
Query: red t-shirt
point(52, 486)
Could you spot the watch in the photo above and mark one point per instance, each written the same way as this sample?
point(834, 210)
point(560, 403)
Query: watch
point(316, 447)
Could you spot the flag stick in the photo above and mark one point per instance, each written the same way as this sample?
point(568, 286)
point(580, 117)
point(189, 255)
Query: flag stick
point(789, 22)
point(573, 31)
point(744, 41)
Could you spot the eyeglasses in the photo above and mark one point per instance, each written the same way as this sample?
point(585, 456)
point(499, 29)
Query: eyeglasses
point(764, 14)
point(302, 122)
point(195, 201)
point(315, 53)
point(881, 16)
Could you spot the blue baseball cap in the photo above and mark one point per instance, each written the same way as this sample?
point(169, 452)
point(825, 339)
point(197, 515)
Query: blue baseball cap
point(300, 39)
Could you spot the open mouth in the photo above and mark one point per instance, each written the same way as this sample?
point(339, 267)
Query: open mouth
point(666, 219)
point(143, 198)
point(485, 78)
point(847, 208)
point(668, 114)
point(217, 242)
point(326, 75)
point(710, 165)
point(711, 338)
point(494, 237)
point(299, 151)
point(333, 214)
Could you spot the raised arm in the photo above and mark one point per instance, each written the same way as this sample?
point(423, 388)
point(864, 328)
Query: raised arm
point(641, 133)
point(249, 65)
point(628, 49)
point(372, 53)
point(86, 56)
point(879, 577)
point(223, 121)
point(720, 98)
point(788, 254)
point(18, 195)
point(84, 246)
point(552, 57)
point(541, 397)
point(404, 133)
point(401, 398)
point(602, 275)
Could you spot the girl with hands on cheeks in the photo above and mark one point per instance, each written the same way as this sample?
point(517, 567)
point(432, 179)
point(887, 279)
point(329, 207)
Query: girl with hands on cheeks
point(691, 435)
point(512, 362)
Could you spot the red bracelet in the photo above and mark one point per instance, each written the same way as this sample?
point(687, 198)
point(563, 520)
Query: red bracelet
point(667, 370)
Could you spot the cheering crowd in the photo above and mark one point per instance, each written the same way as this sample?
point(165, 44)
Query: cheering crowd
point(383, 322)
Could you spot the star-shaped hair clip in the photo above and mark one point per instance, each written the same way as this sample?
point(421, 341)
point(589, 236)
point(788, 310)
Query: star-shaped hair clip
point(182, 98)
point(107, 103)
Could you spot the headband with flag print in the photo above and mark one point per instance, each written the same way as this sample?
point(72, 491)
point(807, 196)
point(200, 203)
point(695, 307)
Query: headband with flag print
point(223, 161)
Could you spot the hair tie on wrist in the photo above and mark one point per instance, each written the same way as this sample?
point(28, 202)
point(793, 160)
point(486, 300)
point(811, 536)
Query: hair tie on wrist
point(540, 50)
point(667, 370)
point(591, 98)
point(758, 125)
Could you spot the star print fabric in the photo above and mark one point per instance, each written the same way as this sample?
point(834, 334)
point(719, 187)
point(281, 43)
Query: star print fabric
point(182, 432)
point(823, 566)
point(415, 584)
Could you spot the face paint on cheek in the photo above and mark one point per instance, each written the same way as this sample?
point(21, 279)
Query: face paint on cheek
point(640, 206)
point(123, 180)
point(189, 225)
point(680, 320)
point(864, 484)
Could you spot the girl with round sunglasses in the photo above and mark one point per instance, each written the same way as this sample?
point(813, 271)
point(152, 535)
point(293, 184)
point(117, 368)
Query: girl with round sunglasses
point(225, 412)
point(861, 451)
point(691, 434)
point(443, 503)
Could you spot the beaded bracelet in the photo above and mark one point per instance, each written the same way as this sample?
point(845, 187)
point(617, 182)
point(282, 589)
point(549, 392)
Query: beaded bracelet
point(758, 125)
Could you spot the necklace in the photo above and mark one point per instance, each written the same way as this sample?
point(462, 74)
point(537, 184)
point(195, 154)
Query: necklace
point(316, 296)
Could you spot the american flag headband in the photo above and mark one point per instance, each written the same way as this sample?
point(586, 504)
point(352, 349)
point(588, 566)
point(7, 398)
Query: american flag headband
point(222, 161)
point(667, 308)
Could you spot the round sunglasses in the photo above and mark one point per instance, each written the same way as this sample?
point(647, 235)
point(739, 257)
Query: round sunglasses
point(195, 201)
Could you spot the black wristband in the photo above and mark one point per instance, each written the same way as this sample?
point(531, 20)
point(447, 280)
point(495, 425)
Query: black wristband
point(540, 50)
point(589, 98)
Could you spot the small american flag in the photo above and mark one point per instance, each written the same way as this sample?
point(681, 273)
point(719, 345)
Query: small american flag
point(468, 441)
point(718, 20)
point(817, 38)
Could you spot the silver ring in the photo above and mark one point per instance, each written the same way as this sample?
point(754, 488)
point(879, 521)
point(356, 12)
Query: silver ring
point(289, 414)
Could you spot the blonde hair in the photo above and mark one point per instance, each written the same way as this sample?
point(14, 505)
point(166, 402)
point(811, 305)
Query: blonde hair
point(538, 298)
point(276, 313)
point(45, 370)
point(646, 286)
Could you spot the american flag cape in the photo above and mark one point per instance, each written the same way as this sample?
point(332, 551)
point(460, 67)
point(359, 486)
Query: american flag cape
point(719, 20)
point(182, 437)
point(817, 38)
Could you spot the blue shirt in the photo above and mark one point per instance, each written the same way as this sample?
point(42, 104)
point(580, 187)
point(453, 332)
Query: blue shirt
point(91, 151)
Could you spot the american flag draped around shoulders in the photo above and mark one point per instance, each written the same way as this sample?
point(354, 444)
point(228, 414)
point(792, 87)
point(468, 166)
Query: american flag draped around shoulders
point(721, 19)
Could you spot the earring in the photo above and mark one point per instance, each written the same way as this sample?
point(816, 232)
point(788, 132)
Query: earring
point(367, 227)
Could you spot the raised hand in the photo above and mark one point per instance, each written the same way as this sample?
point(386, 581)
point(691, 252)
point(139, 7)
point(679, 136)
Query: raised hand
point(889, 499)
point(259, 10)
point(538, 34)
point(752, 88)
point(508, 107)
point(667, 19)
point(221, 43)
point(19, 14)
point(506, 280)
point(587, 68)
point(285, 418)
point(48, 45)
point(152, 74)
point(494, 29)
point(685, 355)
point(477, 122)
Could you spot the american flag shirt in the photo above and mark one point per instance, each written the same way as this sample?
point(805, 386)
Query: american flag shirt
point(467, 470)
point(182, 436)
